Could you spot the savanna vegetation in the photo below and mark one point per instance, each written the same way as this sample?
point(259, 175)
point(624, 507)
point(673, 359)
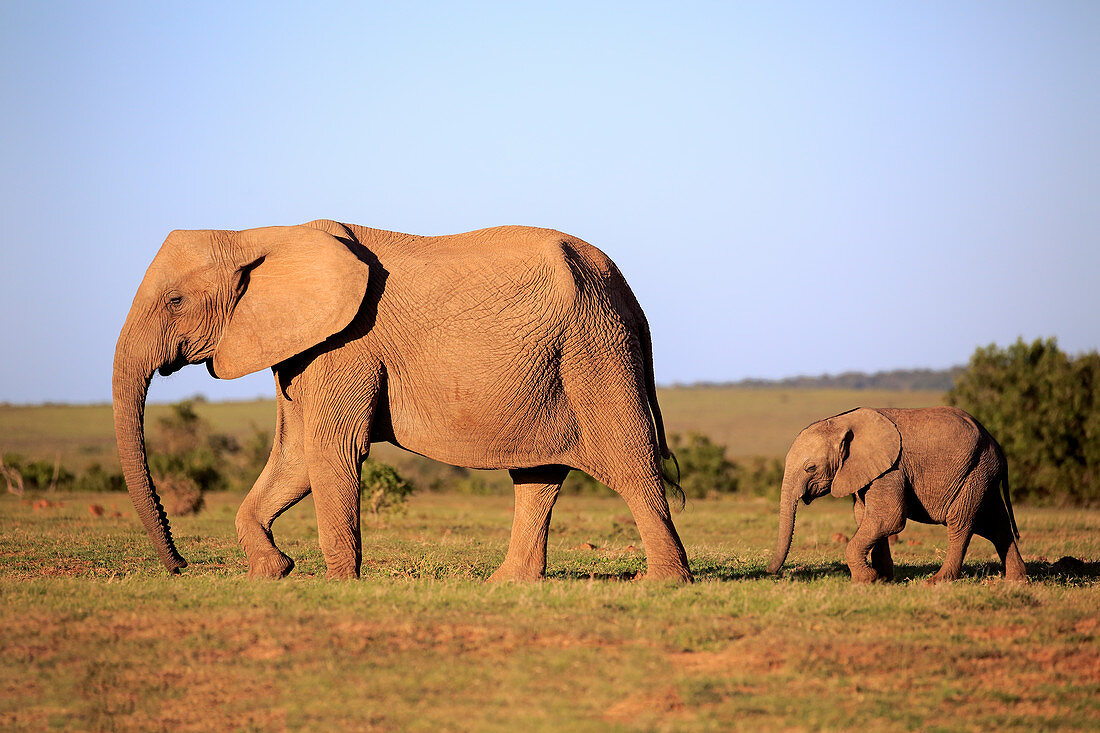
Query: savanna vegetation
point(726, 439)
point(1043, 406)
point(97, 637)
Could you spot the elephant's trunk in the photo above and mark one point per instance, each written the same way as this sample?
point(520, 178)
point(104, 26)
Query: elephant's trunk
point(131, 386)
point(788, 502)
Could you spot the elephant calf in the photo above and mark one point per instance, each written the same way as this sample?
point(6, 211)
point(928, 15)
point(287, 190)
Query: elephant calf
point(936, 465)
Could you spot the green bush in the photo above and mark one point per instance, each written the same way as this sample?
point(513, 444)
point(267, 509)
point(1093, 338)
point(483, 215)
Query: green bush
point(704, 470)
point(39, 475)
point(382, 488)
point(704, 467)
point(95, 478)
point(1043, 407)
point(187, 448)
point(759, 476)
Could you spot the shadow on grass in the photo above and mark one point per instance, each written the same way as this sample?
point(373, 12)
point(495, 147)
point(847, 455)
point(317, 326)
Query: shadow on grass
point(623, 577)
point(1065, 571)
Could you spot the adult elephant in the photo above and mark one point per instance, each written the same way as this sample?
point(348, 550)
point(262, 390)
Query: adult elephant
point(511, 347)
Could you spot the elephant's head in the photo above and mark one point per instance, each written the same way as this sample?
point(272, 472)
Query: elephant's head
point(238, 301)
point(840, 455)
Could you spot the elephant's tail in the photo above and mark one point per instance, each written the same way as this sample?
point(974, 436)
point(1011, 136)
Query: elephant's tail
point(658, 421)
point(1008, 502)
point(651, 390)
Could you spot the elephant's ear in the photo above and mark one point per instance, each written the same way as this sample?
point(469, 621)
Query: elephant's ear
point(298, 286)
point(870, 446)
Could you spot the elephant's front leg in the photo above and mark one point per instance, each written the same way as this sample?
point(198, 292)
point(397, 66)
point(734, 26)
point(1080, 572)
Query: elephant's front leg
point(880, 513)
point(283, 482)
point(536, 491)
point(881, 561)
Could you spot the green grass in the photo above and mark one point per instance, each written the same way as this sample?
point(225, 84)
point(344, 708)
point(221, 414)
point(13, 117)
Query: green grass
point(95, 636)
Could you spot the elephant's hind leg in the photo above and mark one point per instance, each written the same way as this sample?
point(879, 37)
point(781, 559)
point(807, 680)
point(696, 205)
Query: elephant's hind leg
point(618, 446)
point(283, 482)
point(993, 523)
point(958, 539)
point(961, 524)
point(536, 491)
point(665, 555)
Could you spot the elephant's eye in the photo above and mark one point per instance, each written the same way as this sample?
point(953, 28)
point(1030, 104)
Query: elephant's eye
point(811, 468)
point(174, 301)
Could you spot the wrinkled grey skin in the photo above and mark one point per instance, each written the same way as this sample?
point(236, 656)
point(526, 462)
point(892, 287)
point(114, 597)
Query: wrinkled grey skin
point(512, 347)
point(934, 465)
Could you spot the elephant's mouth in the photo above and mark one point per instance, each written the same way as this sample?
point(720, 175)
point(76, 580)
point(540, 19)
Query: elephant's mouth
point(814, 493)
point(173, 366)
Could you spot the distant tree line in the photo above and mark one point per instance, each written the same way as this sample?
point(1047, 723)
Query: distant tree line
point(1042, 406)
point(905, 380)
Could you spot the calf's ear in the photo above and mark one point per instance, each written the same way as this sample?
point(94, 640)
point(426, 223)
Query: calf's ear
point(869, 446)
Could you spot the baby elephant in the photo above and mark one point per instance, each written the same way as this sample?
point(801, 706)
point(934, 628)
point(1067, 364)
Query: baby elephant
point(936, 465)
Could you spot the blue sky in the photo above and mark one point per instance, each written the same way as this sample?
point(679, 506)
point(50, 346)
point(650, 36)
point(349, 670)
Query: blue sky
point(790, 188)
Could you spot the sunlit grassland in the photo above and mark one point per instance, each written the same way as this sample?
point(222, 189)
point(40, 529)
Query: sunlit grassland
point(95, 636)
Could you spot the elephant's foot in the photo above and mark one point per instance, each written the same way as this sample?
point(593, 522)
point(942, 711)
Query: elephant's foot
point(517, 573)
point(342, 572)
point(884, 570)
point(1015, 571)
point(941, 577)
point(272, 566)
point(865, 574)
point(673, 573)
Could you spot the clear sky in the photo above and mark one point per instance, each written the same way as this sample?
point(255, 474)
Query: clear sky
point(789, 187)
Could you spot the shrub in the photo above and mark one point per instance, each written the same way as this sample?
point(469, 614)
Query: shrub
point(382, 488)
point(704, 469)
point(1043, 407)
point(579, 482)
point(95, 478)
point(36, 475)
point(760, 476)
point(179, 494)
point(187, 447)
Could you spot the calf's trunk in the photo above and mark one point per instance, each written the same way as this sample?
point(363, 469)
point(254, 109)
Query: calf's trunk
point(788, 502)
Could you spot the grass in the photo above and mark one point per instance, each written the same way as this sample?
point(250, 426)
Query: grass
point(95, 636)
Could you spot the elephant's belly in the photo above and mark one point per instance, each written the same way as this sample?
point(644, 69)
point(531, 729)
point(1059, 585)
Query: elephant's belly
point(473, 450)
point(917, 512)
point(486, 433)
